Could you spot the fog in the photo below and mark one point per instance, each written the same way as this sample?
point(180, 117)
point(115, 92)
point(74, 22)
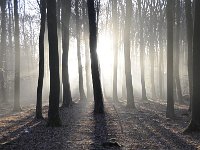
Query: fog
point(29, 33)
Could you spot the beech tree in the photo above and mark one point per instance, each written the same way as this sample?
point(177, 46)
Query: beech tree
point(65, 18)
point(189, 26)
point(177, 53)
point(80, 71)
point(3, 50)
point(128, 75)
point(195, 120)
point(53, 112)
point(170, 99)
point(17, 60)
point(115, 47)
point(41, 59)
point(98, 96)
point(144, 96)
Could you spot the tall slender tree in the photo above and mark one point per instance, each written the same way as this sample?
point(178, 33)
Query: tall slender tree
point(59, 44)
point(128, 75)
point(144, 96)
point(195, 121)
point(189, 24)
point(80, 70)
point(115, 48)
point(152, 49)
point(170, 99)
point(17, 60)
point(87, 51)
point(41, 59)
point(53, 112)
point(161, 48)
point(177, 52)
point(65, 18)
point(98, 96)
point(3, 50)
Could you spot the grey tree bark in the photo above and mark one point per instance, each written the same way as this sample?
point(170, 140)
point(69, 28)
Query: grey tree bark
point(195, 120)
point(128, 75)
point(53, 112)
point(17, 60)
point(170, 99)
point(98, 96)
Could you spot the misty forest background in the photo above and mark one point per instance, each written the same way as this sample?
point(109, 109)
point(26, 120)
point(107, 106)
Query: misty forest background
point(57, 54)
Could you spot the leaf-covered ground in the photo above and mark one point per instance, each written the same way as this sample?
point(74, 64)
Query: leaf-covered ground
point(120, 128)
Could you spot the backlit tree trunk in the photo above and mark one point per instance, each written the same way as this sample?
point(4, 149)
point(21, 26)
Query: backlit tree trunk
point(128, 75)
point(144, 96)
point(98, 96)
point(53, 113)
point(177, 53)
point(115, 48)
point(170, 20)
point(80, 68)
point(3, 50)
point(65, 18)
point(17, 60)
point(189, 24)
point(41, 59)
point(195, 121)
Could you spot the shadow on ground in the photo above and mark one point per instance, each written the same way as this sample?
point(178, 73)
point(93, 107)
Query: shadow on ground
point(119, 128)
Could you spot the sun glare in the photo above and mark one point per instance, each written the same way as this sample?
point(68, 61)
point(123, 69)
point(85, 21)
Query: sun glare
point(105, 53)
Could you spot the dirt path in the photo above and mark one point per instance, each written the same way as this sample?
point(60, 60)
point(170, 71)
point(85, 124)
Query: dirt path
point(119, 128)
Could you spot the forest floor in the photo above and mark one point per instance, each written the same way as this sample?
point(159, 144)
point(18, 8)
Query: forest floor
point(119, 128)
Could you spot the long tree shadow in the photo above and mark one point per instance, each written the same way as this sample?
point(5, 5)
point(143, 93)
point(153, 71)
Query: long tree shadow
point(104, 134)
point(100, 133)
point(29, 133)
point(149, 125)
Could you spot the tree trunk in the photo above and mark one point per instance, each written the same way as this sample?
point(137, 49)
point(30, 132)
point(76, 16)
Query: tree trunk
point(152, 53)
point(144, 96)
point(59, 45)
point(41, 60)
point(161, 66)
point(87, 50)
point(3, 50)
point(177, 53)
point(189, 23)
point(53, 113)
point(170, 100)
point(195, 121)
point(80, 71)
point(128, 75)
point(98, 96)
point(66, 12)
point(115, 48)
point(10, 34)
point(17, 60)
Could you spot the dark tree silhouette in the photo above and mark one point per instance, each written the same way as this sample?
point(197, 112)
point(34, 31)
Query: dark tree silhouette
point(177, 52)
point(17, 60)
point(53, 113)
point(161, 46)
point(195, 121)
point(80, 71)
point(65, 18)
point(189, 24)
point(41, 59)
point(3, 49)
point(59, 2)
point(98, 96)
point(87, 51)
point(128, 75)
point(170, 20)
